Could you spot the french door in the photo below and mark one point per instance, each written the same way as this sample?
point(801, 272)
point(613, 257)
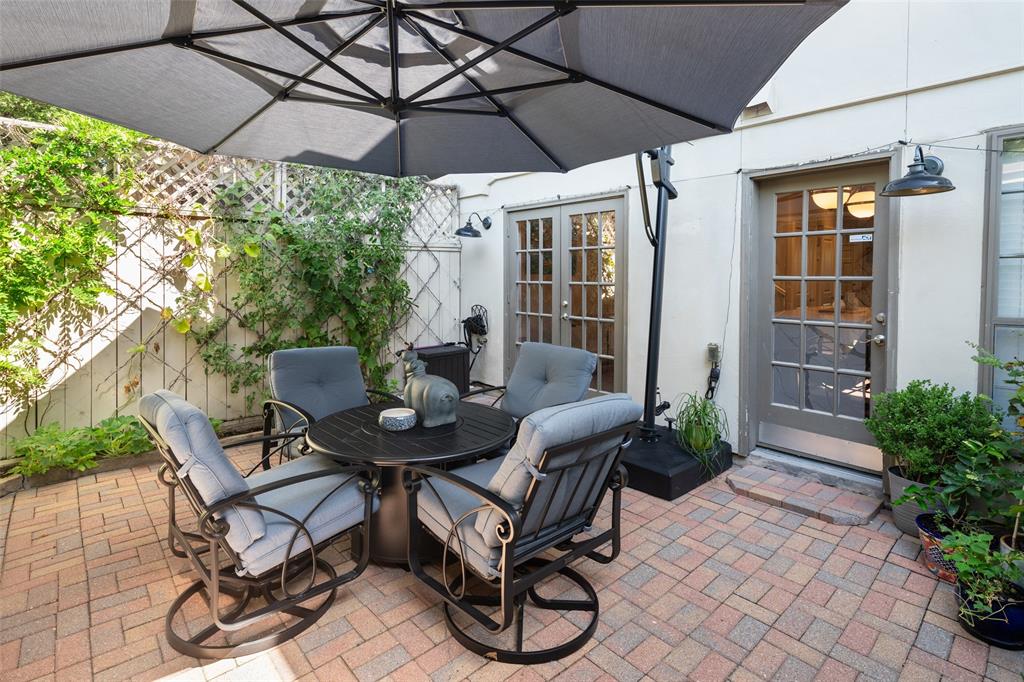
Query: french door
point(821, 330)
point(565, 270)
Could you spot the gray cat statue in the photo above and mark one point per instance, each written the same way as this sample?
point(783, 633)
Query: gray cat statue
point(434, 398)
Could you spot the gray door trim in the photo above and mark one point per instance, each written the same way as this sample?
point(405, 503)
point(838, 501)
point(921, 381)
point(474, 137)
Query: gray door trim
point(559, 207)
point(748, 416)
point(990, 251)
point(618, 192)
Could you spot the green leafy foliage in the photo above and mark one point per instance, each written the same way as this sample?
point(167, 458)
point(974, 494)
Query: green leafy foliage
point(332, 278)
point(1014, 371)
point(120, 436)
point(24, 109)
point(60, 197)
point(700, 427)
point(984, 574)
point(52, 447)
point(78, 449)
point(976, 486)
point(923, 426)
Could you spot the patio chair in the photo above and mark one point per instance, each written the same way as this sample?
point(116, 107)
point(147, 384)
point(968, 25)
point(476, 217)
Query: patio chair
point(544, 375)
point(258, 539)
point(496, 517)
point(307, 384)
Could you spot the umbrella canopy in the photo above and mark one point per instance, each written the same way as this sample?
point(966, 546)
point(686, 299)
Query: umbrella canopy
point(405, 87)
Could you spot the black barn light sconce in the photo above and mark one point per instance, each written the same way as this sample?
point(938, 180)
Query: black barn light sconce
point(924, 176)
point(468, 230)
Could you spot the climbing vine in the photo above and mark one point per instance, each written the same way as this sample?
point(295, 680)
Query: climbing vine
point(332, 277)
point(60, 197)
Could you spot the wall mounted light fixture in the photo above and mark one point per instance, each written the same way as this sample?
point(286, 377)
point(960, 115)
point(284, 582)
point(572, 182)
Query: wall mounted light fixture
point(923, 177)
point(468, 230)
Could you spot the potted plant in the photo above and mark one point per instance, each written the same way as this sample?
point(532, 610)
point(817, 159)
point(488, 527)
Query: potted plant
point(991, 605)
point(1014, 541)
point(971, 494)
point(921, 427)
point(701, 430)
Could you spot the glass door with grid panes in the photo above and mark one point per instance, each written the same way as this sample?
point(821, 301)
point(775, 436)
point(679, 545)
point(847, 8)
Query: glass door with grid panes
point(822, 326)
point(565, 264)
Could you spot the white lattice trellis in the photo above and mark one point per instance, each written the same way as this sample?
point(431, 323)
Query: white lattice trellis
point(95, 372)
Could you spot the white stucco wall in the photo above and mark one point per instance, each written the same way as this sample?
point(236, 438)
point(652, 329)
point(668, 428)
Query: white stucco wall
point(875, 73)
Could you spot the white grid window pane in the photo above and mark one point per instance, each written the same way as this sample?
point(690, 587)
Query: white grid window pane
point(1010, 269)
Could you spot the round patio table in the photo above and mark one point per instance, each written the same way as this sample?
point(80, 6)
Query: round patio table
point(353, 436)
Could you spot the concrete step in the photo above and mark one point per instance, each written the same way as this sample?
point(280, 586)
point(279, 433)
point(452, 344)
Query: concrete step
point(825, 502)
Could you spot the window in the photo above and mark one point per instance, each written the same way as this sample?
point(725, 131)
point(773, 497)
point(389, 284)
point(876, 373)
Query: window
point(1004, 330)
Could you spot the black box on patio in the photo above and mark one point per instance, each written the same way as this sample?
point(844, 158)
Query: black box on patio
point(450, 360)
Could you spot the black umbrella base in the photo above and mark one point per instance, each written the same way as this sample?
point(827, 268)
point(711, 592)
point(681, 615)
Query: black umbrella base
point(663, 469)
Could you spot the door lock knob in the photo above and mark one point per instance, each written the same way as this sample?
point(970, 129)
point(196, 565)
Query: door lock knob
point(565, 316)
point(878, 339)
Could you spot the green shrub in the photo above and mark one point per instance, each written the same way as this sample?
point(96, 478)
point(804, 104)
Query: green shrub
point(77, 449)
point(120, 436)
point(923, 426)
point(52, 447)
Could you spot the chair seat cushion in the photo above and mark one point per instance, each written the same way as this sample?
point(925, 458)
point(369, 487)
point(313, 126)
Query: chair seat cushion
point(200, 457)
point(442, 503)
point(342, 509)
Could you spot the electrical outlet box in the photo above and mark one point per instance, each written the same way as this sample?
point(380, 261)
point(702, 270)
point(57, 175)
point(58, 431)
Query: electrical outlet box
point(714, 353)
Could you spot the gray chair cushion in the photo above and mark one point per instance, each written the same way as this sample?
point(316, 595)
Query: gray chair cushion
point(546, 429)
point(319, 380)
point(437, 511)
point(341, 510)
point(200, 457)
point(546, 375)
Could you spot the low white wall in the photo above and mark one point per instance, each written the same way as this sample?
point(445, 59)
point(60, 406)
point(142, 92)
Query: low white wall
point(856, 84)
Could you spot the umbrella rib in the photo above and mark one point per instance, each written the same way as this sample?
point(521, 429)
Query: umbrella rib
point(496, 91)
point(215, 54)
point(423, 33)
point(303, 45)
point(286, 91)
point(114, 49)
point(487, 54)
point(572, 73)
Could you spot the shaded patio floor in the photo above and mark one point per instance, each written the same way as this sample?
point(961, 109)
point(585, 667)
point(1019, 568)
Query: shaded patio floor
point(711, 587)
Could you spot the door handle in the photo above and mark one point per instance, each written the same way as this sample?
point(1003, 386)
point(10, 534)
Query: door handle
point(565, 316)
point(878, 339)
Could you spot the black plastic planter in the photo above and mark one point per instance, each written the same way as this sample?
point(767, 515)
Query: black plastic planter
point(1005, 629)
point(663, 469)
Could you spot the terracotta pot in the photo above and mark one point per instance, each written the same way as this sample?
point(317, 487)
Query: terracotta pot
point(933, 554)
point(903, 515)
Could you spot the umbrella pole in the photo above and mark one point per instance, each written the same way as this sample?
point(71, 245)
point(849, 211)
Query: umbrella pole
point(661, 165)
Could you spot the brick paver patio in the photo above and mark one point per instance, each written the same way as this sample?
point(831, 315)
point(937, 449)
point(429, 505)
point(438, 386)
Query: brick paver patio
point(711, 587)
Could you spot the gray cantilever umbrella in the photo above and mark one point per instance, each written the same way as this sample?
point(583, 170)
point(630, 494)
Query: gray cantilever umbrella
point(406, 87)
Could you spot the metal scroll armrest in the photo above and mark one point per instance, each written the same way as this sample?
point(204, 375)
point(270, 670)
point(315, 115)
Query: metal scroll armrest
point(510, 528)
point(294, 422)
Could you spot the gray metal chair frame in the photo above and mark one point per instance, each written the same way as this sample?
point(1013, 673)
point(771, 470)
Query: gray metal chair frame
point(520, 567)
point(280, 411)
point(217, 575)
